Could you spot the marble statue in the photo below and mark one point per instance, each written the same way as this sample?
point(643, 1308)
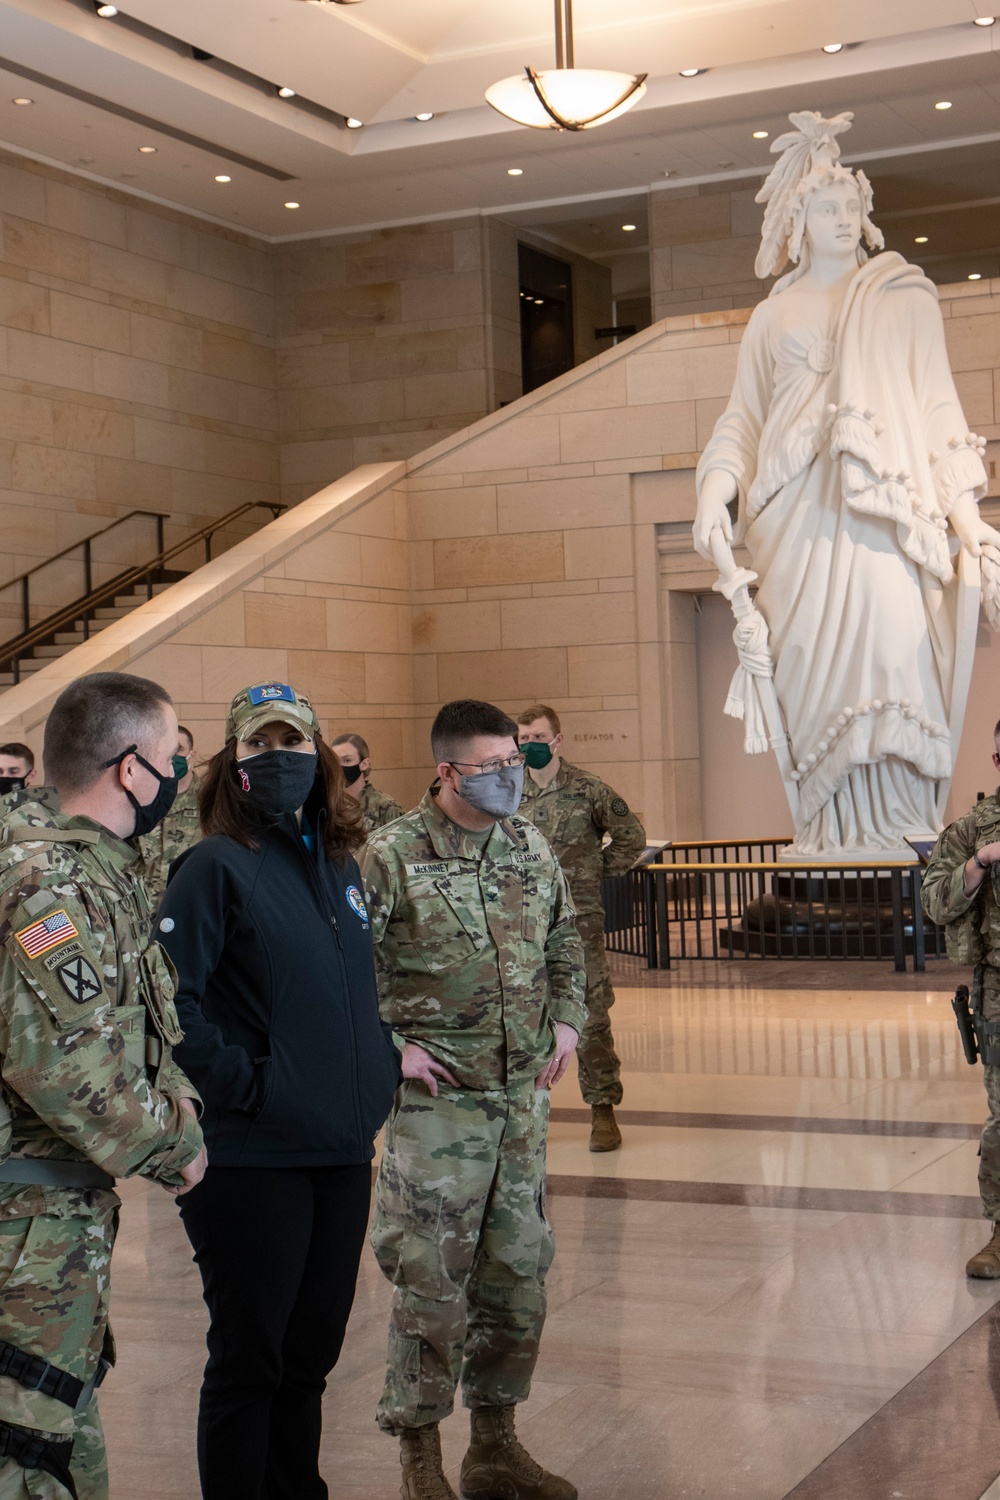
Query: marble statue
point(855, 482)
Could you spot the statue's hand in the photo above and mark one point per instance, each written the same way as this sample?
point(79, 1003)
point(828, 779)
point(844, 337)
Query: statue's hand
point(718, 490)
point(971, 530)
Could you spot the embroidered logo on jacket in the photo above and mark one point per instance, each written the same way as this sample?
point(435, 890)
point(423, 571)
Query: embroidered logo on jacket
point(357, 903)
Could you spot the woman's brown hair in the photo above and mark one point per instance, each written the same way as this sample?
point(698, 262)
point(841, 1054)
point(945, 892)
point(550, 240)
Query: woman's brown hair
point(224, 809)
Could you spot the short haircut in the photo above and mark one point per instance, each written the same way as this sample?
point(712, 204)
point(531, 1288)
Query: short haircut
point(16, 751)
point(182, 729)
point(97, 718)
point(540, 711)
point(360, 745)
point(996, 731)
point(461, 721)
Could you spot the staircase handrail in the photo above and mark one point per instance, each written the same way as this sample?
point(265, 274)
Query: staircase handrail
point(18, 646)
point(158, 515)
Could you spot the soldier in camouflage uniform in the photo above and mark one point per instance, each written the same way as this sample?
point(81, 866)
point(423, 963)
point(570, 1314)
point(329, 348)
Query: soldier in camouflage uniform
point(574, 810)
point(179, 830)
point(961, 892)
point(481, 978)
point(89, 1089)
point(377, 808)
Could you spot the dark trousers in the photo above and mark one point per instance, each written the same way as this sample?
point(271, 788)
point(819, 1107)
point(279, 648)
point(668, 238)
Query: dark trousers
point(278, 1250)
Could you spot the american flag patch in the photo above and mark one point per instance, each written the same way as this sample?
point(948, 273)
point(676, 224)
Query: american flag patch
point(52, 930)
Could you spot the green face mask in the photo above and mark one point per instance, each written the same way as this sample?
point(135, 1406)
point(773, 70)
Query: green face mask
point(536, 754)
point(179, 766)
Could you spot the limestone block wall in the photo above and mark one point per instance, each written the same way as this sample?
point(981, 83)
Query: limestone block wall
point(386, 341)
point(542, 553)
point(136, 364)
point(702, 244)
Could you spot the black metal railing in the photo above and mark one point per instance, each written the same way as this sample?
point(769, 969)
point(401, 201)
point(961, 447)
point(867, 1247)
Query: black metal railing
point(767, 909)
point(31, 596)
point(154, 570)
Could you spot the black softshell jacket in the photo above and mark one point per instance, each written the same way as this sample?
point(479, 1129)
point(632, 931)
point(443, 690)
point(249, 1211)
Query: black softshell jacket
point(277, 1001)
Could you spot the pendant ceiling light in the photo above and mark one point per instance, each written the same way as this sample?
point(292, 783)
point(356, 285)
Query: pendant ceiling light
point(566, 97)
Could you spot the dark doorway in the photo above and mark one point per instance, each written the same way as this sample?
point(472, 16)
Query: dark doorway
point(546, 294)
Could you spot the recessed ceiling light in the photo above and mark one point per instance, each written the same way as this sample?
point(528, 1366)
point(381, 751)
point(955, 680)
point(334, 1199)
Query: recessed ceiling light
point(515, 172)
point(147, 150)
point(221, 177)
point(285, 92)
point(761, 135)
point(353, 124)
point(943, 104)
point(291, 205)
point(105, 11)
point(920, 239)
point(21, 100)
point(691, 72)
point(427, 115)
point(669, 172)
point(540, 300)
point(975, 275)
point(985, 21)
point(628, 228)
point(833, 46)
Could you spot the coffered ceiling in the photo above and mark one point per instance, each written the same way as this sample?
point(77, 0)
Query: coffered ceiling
point(102, 89)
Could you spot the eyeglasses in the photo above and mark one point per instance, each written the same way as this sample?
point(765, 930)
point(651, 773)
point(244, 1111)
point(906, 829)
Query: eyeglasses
point(486, 767)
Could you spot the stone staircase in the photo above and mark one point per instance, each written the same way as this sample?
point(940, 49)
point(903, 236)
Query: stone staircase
point(63, 641)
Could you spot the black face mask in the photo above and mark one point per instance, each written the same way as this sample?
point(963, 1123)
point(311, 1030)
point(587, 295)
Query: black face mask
point(351, 773)
point(278, 781)
point(148, 814)
point(11, 784)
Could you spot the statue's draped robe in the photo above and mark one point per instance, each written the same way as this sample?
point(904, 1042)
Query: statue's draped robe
point(846, 438)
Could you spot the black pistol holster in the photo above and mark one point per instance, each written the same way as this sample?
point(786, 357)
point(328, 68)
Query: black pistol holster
point(980, 1038)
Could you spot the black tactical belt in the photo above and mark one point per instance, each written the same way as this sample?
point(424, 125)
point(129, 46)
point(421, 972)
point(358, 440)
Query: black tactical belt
point(33, 1452)
point(36, 1374)
point(45, 1171)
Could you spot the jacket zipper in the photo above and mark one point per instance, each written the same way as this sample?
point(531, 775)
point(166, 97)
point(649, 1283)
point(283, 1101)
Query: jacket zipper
point(325, 907)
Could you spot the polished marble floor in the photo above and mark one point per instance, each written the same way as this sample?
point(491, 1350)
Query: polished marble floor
point(762, 1295)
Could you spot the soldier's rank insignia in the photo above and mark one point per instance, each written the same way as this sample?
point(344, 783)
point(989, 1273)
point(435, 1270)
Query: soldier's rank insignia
point(52, 930)
point(79, 980)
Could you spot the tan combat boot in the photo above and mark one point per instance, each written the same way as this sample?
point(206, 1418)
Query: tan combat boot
point(604, 1132)
point(985, 1264)
point(420, 1456)
point(497, 1467)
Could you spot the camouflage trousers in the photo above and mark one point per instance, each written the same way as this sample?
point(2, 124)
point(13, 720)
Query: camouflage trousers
point(989, 1146)
point(598, 1064)
point(460, 1230)
point(54, 1297)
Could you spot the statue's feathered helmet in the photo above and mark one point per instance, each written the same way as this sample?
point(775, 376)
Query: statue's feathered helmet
point(810, 159)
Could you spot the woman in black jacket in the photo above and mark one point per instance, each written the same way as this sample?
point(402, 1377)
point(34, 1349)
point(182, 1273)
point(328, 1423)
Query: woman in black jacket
point(266, 924)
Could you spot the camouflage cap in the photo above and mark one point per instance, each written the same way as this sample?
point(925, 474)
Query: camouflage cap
point(253, 707)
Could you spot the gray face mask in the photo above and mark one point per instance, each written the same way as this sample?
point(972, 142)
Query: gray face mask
point(495, 792)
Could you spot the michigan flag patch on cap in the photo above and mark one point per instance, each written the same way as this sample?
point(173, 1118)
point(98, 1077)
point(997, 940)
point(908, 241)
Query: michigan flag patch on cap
point(271, 692)
point(52, 930)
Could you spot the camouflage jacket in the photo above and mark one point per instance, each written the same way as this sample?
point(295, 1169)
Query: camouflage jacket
point(574, 811)
point(87, 1017)
point(476, 948)
point(44, 796)
point(378, 808)
point(178, 831)
point(971, 923)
